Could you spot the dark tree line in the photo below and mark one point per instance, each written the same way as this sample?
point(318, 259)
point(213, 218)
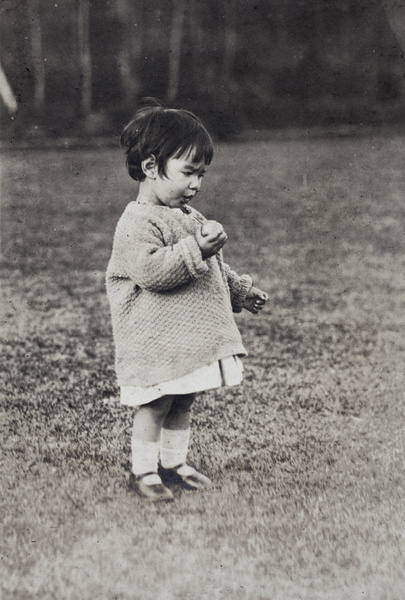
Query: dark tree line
point(79, 66)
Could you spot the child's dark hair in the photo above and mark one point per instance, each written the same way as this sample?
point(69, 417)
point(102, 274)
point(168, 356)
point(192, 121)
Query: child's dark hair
point(165, 133)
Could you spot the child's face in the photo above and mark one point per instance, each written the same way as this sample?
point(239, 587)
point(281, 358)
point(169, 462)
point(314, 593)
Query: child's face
point(183, 180)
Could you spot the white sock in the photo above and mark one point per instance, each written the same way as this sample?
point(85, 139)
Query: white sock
point(144, 456)
point(173, 447)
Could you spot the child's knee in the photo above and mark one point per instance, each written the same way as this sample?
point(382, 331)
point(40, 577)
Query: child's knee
point(161, 406)
point(183, 403)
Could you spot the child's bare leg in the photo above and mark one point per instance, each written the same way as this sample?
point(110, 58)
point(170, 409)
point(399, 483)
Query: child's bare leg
point(178, 417)
point(176, 432)
point(149, 419)
point(145, 442)
point(174, 443)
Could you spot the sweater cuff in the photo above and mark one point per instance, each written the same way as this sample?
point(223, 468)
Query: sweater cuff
point(245, 283)
point(192, 256)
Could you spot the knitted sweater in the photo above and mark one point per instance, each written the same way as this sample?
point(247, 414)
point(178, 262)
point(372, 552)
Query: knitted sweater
point(171, 310)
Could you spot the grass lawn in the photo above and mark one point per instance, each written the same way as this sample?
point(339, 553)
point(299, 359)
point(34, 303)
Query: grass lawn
point(307, 455)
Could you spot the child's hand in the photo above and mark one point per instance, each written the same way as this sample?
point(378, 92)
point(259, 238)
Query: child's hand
point(255, 300)
point(211, 238)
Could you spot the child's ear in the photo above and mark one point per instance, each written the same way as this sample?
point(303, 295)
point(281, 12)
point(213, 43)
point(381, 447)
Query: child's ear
point(150, 167)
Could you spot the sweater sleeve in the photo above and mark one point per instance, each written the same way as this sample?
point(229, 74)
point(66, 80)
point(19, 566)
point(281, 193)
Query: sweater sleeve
point(239, 287)
point(155, 266)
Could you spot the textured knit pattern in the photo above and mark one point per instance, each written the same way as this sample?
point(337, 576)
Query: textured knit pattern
point(171, 310)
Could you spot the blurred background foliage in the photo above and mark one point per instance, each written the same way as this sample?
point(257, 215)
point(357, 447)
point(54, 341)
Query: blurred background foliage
point(77, 67)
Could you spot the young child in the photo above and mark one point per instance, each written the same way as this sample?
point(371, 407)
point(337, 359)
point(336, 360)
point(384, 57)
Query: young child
point(171, 298)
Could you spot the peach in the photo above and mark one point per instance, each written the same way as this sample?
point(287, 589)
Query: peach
point(212, 229)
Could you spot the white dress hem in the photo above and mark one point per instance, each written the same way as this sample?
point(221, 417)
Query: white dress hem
point(224, 372)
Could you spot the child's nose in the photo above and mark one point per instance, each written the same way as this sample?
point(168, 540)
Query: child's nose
point(195, 183)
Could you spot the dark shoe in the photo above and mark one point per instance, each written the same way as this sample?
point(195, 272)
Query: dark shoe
point(155, 492)
point(186, 476)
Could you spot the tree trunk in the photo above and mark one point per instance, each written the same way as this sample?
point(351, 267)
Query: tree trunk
point(195, 30)
point(129, 57)
point(230, 43)
point(395, 10)
point(36, 55)
point(176, 34)
point(85, 57)
point(7, 94)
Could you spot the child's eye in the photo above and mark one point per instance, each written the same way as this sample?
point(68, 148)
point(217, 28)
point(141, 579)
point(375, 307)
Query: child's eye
point(189, 173)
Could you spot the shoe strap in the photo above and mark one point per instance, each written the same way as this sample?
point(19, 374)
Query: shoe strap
point(151, 478)
point(185, 470)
